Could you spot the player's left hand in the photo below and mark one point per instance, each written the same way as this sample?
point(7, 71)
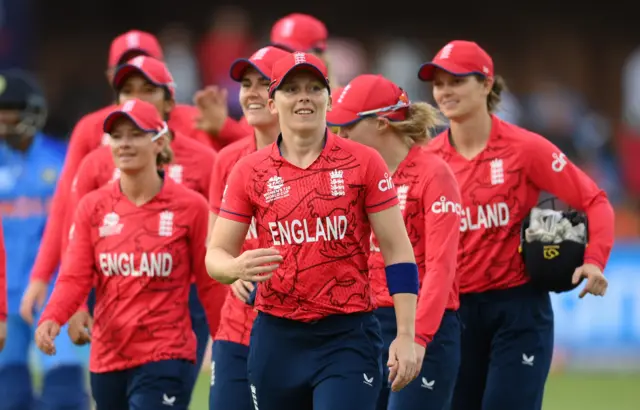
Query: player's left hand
point(79, 328)
point(212, 105)
point(3, 333)
point(596, 282)
point(403, 363)
point(46, 333)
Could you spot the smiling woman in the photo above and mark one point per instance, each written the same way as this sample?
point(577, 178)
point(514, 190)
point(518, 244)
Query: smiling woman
point(317, 198)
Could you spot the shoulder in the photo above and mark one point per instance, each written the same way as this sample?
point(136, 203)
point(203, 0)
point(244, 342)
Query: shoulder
point(517, 136)
point(187, 197)
point(197, 149)
point(438, 141)
point(95, 117)
point(239, 148)
point(184, 111)
point(361, 152)
point(95, 197)
point(430, 162)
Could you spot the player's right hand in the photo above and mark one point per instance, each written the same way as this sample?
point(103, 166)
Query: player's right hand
point(33, 299)
point(3, 333)
point(46, 333)
point(403, 362)
point(79, 328)
point(242, 289)
point(256, 265)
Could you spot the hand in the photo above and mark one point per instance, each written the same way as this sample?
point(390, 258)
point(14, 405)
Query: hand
point(212, 105)
point(256, 265)
point(46, 333)
point(403, 364)
point(421, 351)
point(33, 299)
point(596, 282)
point(242, 289)
point(80, 326)
point(3, 333)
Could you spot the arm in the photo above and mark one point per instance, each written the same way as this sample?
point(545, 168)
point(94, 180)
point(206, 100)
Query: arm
point(210, 292)
point(3, 277)
point(386, 221)
point(76, 275)
point(230, 228)
point(551, 171)
point(48, 257)
point(442, 235)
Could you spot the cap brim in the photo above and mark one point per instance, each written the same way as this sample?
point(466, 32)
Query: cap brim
point(240, 66)
point(112, 118)
point(123, 71)
point(427, 70)
point(301, 67)
point(339, 117)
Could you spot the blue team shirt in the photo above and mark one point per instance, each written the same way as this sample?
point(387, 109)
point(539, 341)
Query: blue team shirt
point(27, 182)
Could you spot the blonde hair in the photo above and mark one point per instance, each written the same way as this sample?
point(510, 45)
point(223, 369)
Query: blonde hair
point(165, 156)
point(493, 99)
point(420, 123)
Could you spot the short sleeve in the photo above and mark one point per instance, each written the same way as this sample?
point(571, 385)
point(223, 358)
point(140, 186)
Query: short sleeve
point(380, 191)
point(236, 203)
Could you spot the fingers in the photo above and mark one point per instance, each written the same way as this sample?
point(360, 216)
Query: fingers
point(255, 253)
point(260, 278)
point(577, 275)
point(240, 291)
point(44, 341)
point(596, 285)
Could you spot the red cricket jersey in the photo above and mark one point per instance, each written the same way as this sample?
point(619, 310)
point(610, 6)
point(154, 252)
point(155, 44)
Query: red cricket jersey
point(499, 188)
point(190, 167)
point(86, 136)
point(3, 277)
point(141, 259)
point(318, 219)
point(236, 316)
point(429, 199)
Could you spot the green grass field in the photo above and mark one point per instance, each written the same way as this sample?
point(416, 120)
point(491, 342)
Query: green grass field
point(569, 391)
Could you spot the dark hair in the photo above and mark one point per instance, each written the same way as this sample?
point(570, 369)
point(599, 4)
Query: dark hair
point(165, 156)
point(493, 99)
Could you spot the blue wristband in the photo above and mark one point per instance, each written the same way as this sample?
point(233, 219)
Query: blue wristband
point(252, 296)
point(402, 278)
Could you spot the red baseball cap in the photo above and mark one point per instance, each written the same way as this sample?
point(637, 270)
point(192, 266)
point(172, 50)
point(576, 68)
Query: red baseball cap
point(134, 40)
point(262, 60)
point(368, 95)
point(299, 32)
point(460, 58)
point(155, 71)
point(294, 62)
point(143, 114)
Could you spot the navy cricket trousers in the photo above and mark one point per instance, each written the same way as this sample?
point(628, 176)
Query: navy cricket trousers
point(151, 386)
point(507, 345)
point(330, 364)
point(433, 388)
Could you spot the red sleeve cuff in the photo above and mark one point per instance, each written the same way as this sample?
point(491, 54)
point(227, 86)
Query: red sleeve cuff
point(422, 340)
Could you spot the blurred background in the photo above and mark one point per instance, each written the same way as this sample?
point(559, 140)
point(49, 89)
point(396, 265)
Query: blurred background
point(573, 75)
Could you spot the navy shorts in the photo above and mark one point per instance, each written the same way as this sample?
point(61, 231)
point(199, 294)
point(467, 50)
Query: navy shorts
point(151, 386)
point(507, 344)
point(330, 364)
point(229, 383)
point(433, 388)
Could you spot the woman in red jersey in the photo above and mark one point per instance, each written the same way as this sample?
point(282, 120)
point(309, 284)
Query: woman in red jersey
point(315, 198)
point(507, 342)
point(149, 80)
point(141, 240)
point(376, 112)
point(229, 384)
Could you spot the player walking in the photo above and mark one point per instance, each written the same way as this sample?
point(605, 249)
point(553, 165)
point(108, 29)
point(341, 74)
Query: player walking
point(229, 384)
point(507, 342)
point(376, 112)
point(315, 198)
point(141, 239)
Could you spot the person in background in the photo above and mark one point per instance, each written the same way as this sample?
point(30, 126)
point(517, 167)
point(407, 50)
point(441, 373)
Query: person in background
point(88, 135)
point(30, 164)
point(229, 382)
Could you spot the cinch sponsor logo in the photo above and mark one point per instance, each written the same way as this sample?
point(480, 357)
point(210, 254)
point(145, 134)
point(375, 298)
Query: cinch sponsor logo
point(150, 264)
point(444, 206)
point(486, 216)
point(299, 231)
point(385, 183)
